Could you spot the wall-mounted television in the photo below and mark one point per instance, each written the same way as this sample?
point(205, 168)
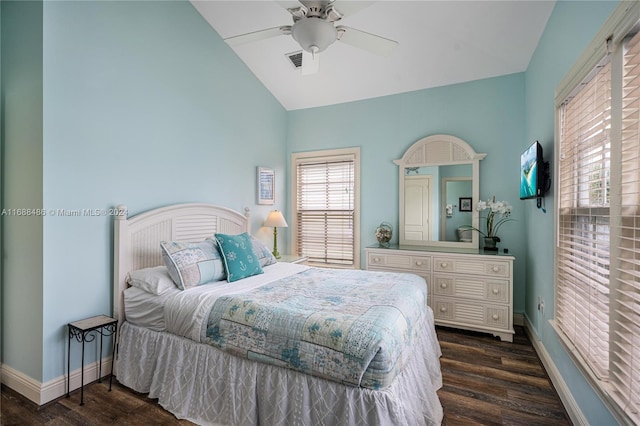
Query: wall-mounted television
point(532, 172)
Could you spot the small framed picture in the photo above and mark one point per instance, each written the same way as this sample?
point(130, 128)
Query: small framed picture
point(465, 204)
point(266, 186)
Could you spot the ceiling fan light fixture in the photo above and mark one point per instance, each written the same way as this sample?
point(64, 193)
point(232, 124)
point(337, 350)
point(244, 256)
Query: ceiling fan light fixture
point(314, 34)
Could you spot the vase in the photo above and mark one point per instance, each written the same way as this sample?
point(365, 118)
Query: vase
point(383, 234)
point(490, 243)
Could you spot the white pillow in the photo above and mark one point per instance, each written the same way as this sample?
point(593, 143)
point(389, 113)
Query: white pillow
point(154, 280)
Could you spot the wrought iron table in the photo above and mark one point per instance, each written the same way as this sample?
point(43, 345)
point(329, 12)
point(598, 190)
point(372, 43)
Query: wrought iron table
point(85, 331)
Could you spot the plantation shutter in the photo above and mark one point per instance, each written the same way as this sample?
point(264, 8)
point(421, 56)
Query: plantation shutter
point(582, 302)
point(625, 353)
point(325, 211)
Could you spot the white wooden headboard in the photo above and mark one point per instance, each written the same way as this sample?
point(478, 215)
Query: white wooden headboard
point(137, 239)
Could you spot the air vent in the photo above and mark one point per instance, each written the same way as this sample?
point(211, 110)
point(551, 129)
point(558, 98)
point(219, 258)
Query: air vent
point(295, 58)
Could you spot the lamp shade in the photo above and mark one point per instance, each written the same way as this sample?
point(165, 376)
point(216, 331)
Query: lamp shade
point(276, 220)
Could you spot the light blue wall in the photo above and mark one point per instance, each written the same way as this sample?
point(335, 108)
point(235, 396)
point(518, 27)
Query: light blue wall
point(569, 30)
point(141, 103)
point(22, 186)
point(488, 114)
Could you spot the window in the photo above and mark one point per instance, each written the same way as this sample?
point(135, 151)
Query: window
point(325, 203)
point(625, 304)
point(597, 309)
point(583, 225)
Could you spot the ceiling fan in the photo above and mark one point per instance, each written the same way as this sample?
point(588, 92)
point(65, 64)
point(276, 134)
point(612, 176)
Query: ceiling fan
point(314, 29)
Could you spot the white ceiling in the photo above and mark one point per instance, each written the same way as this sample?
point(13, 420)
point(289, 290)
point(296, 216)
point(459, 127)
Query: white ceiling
point(440, 43)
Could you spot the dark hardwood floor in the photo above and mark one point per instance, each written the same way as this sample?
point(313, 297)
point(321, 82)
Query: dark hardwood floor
point(489, 382)
point(485, 382)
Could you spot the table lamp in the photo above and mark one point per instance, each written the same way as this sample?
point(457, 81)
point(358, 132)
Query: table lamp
point(276, 220)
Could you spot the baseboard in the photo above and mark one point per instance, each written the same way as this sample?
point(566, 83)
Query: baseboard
point(41, 393)
point(570, 404)
point(518, 319)
point(21, 383)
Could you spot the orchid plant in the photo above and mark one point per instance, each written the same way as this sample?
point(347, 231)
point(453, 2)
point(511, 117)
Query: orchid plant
point(499, 214)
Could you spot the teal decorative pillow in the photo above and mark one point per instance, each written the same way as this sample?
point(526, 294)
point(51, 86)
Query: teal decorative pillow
point(265, 256)
point(192, 264)
point(240, 261)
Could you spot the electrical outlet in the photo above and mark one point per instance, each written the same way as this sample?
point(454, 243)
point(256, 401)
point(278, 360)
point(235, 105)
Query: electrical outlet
point(541, 305)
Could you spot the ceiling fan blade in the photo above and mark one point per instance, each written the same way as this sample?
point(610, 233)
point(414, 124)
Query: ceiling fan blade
point(310, 63)
point(367, 41)
point(258, 35)
point(289, 4)
point(348, 8)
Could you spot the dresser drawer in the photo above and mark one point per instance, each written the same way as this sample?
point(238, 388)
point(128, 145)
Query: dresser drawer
point(472, 314)
point(497, 268)
point(471, 291)
point(402, 262)
point(471, 287)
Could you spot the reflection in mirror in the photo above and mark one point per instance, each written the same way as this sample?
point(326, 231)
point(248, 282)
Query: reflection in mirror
point(431, 198)
point(437, 174)
point(417, 205)
point(454, 221)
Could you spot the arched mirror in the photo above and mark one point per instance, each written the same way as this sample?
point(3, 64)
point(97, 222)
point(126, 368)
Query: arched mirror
point(439, 189)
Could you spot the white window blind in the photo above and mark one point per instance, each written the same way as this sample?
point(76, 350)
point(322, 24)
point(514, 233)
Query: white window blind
point(582, 305)
point(325, 210)
point(597, 309)
point(625, 341)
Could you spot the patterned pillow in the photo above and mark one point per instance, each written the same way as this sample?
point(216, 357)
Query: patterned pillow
point(240, 261)
point(265, 256)
point(192, 264)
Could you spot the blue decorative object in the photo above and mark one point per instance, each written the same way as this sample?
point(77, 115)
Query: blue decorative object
point(240, 260)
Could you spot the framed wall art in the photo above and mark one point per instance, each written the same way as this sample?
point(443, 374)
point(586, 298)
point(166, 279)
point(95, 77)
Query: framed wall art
point(266, 186)
point(465, 204)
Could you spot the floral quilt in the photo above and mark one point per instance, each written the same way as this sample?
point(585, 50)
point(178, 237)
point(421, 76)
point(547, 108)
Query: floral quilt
point(354, 327)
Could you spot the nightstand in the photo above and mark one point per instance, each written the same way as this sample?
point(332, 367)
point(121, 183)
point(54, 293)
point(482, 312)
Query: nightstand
point(292, 258)
point(85, 331)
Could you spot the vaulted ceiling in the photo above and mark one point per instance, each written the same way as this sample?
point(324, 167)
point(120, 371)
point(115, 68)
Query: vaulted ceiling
point(439, 43)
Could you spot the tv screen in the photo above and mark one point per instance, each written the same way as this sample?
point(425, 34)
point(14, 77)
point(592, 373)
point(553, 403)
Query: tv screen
point(530, 173)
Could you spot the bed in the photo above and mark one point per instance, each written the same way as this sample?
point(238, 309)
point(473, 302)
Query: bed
point(172, 345)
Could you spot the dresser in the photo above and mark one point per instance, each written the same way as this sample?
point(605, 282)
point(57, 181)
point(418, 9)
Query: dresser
point(471, 291)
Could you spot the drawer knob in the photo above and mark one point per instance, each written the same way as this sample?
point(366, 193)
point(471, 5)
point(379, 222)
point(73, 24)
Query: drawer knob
point(443, 309)
point(443, 264)
point(496, 291)
point(495, 269)
point(419, 262)
point(443, 285)
point(495, 317)
point(376, 259)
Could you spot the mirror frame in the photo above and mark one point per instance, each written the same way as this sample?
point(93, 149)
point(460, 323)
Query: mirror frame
point(441, 150)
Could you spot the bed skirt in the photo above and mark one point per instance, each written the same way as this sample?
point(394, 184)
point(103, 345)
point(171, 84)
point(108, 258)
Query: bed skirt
point(201, 384)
